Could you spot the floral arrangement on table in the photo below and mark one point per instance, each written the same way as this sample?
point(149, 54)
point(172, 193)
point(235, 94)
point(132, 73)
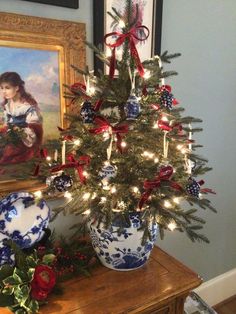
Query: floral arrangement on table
point(37, 273)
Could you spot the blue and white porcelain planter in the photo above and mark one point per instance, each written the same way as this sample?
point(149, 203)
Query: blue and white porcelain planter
point(122, 251)
point(23, 219)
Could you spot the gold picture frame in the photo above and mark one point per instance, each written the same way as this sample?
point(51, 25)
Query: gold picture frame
point(21, 31)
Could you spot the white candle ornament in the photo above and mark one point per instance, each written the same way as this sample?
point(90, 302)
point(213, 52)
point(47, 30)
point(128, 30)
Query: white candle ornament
point(63, 153)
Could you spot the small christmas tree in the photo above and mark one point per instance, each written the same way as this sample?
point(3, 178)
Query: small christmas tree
point(131, 146)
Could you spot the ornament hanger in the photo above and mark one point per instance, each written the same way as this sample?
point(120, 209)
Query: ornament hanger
point(109, 149)
point(165, 145)
point(132, 80)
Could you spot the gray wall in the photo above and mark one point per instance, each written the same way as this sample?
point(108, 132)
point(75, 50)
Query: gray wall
point(204, 32)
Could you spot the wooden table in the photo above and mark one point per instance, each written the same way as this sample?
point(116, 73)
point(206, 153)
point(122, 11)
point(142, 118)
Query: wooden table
point(159, 287)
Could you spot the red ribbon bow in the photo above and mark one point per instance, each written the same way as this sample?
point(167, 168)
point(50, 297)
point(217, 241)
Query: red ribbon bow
point(98, 104)
point(165, 126)
point(77, 164)
point(131, 36)
point(206, 190)
point(165, 174)
point(104, 126)
point(78, 89)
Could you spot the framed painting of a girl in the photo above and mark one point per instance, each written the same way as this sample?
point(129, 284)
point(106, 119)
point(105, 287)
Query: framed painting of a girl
point(35, 62)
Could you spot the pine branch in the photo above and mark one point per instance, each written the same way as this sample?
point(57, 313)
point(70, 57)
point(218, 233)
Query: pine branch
point(166, 74)
point(166, 58)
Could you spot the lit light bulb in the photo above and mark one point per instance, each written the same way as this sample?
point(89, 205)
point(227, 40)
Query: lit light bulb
point(103, 199)
point(94, 196)
point(106, 136)
point(176, 200)
point(172, 226)
point(164, 118)
point(87, 212)
point(156, 160)
point(77, 142)
point(92, 90)
point(145, 153)
point(86, 196)
point(167, 204)
point(48, 158)
point(147, 74)
point(85, 173)
point(68, 195)
point(151, 155)
point(113, 189)
point(123, 144)
point(121, 24)
point(135, 189)
point(106, 185)
point(38, 194)
point(121, 205)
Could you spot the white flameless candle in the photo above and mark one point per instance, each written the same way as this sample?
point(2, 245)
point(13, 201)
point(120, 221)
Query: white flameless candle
point(56, 155)
point(63, 153)
point(190, 137)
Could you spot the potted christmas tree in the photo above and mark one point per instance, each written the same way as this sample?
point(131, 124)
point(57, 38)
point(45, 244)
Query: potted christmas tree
point(131, 152)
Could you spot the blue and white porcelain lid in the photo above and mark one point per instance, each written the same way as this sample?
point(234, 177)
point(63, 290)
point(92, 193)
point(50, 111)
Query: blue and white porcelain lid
point(23, 218)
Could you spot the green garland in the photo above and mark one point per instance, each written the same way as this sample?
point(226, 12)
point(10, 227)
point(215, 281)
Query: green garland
point(37, 273)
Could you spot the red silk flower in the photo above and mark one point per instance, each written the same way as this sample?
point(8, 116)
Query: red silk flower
point(43, 282)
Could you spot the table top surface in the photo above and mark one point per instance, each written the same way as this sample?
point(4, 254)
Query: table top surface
point(108, 291)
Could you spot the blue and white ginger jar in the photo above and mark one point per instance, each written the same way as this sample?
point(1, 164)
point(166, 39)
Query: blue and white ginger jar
point(123, 251)
point(132, 108)
point(107, 172)
point(23, 219)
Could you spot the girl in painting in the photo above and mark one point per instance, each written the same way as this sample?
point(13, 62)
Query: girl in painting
point(21, 117)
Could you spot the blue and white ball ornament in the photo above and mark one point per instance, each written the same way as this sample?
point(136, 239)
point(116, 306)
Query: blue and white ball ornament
point(87, 112)
point(62, 182)
point(167, 99)
point(193, 187)
point(132, 108)
point(23, 219)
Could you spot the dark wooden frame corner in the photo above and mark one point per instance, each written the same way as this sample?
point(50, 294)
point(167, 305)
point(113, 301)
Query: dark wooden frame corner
point(99, 28)
point(72, 4)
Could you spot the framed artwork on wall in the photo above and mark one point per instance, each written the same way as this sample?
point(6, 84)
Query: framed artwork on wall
point(73, 4)
point(151, 17)
point(36, 55)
